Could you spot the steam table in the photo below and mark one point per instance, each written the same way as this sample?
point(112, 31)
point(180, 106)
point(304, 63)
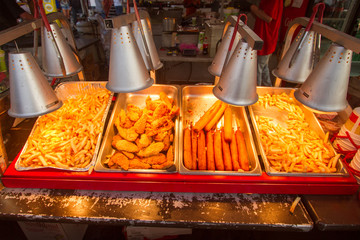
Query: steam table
point(260, 212)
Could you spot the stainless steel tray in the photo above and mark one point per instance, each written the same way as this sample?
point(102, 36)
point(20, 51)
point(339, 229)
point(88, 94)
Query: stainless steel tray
point(195, 101)
point(280, 117)
point(138, 99)
point(64, 91)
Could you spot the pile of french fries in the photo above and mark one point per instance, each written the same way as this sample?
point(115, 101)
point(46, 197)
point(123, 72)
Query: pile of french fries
point(67, 137)
point(208, 148)
point(294, 147)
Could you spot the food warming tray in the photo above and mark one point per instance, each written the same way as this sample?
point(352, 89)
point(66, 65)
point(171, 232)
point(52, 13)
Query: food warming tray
point(175, 182)
point(138, 99)
point(280, 117)
point(65, 91)
point(195, 101)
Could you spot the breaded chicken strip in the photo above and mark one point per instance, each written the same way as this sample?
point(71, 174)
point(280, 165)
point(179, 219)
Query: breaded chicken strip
point(133, 112)
point(157, 159)
point(137, 164)
point(143, 141)
point(128, 133)
point(119, 159)
point(140, 124)
point(123, 145)
point(153, 149)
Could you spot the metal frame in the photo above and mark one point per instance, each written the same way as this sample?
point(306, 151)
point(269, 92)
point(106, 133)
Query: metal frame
point(330, 33)
point(24, 28)
point(125, 19)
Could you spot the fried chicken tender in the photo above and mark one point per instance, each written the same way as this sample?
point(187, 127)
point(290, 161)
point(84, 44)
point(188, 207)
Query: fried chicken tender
point(128, 133)
point(123, 121)
point(115, 139)
point(156, 159)
point(151, 104)
point(166, 142)
point(136, 163)
point(160, 136)
point(128, 154)
point(143, 141)
point(133, 112)
point(124, 145)
point(141, 123)
point(165, 99)
point(153, 149)
point(170, 154)
point(164, 165)
point(145, 136)
point(160, 111)
point(120, 160)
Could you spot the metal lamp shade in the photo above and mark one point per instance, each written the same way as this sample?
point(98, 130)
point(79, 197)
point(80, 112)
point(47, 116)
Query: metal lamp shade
point(154, 56)
point(326, 87)
point(127, 70)
point(51, 60)
point(237, 84)
point(303, 64)
point(218, 63)
point(30, 93)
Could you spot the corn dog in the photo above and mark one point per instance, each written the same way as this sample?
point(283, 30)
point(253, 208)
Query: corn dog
point(187, 149)
point(226, 153)
point(210, 151)
point(243, 156)
point(218, 151)
point(194, 149)
point(216, 118)
point(208, 115)
point(201, 151)
point(234, 153)
point(228, 131)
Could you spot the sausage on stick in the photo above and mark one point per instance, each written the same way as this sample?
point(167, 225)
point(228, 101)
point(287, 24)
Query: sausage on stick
point(228, 131)
point(218, 151)
point(208, 115)
point(194, 149)
point(216, 118)
point(243, 156)
point(234, 153)
point(226, 153)
point(210, 151)
point(201, 151)
point(187, 149)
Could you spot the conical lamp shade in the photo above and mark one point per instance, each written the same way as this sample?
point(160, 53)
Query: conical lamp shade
point(127, 70)
point(237, 84)
point(50, 57)
point(154, 56)
point(218, 63)
point(301, 67)
point(30, 93)
point(326, 87)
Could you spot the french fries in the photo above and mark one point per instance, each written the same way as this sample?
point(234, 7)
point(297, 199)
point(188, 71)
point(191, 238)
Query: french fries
point(294, 147)
point(67, 137)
